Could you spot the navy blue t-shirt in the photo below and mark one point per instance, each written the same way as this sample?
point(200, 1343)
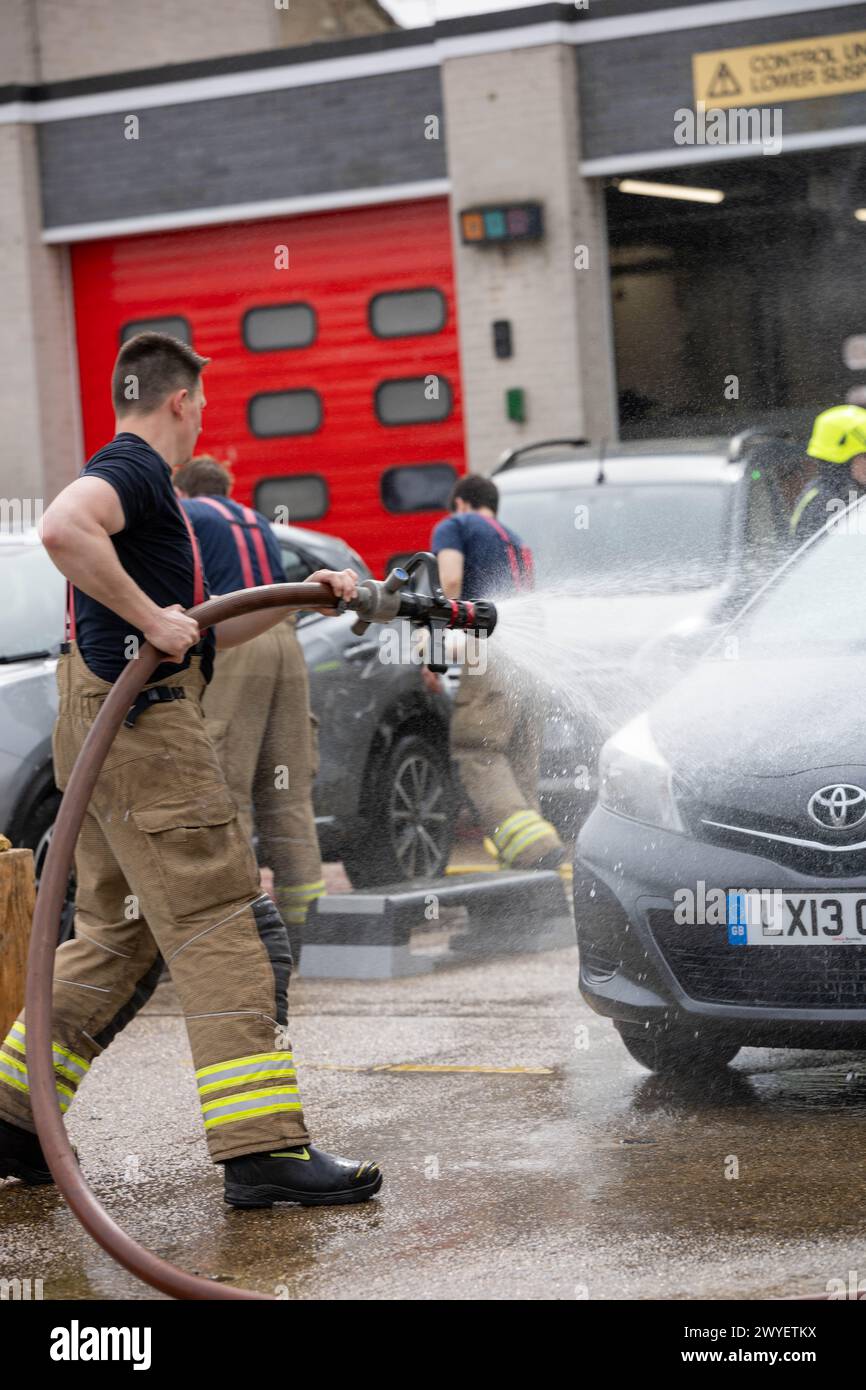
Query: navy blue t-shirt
point(154, 548)
point(218, 539)
point(487, 568)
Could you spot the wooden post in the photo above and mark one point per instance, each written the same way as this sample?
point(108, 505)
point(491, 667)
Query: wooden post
point(17, 901)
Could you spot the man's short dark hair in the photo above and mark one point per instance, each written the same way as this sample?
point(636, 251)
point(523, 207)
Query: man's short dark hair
point(150, 367)
point(203, 476)
point(477, 491)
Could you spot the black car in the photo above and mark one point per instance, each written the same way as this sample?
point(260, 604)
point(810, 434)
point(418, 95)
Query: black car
point(720, 883)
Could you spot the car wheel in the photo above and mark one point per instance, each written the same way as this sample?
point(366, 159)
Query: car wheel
point(409, 818)
point(36, 836)
point(676, 1053)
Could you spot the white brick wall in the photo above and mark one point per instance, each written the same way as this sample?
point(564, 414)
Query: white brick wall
point(78, 38)
point(57, 40)
point(39, 441)
point(512, 136)
point(18, 45)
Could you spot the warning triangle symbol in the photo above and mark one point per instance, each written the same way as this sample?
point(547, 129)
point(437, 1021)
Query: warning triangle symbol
point(724, 83)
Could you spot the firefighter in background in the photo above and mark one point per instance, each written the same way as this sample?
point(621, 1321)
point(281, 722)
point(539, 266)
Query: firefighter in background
point(838, 445)
point(498, 722)
point(162, 865)
point(258, 703)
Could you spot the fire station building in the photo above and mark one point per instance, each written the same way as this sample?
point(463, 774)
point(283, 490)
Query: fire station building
point(407, 250)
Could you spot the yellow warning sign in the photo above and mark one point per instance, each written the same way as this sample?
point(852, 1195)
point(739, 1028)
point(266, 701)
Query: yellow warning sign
point(772, 73)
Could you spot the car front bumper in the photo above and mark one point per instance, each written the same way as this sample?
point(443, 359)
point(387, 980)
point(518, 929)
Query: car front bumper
point(639, 967)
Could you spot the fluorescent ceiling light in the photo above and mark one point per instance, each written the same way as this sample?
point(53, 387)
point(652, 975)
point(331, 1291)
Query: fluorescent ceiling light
point(672, 190)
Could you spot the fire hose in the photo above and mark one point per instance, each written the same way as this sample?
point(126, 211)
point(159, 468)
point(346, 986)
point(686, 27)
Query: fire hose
point(379, 601)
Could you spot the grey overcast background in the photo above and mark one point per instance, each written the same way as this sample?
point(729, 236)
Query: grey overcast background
point(418, 12)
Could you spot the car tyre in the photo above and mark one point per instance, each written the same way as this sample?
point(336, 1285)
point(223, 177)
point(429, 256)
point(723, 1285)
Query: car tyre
point(408, 816)
point(674, 1052)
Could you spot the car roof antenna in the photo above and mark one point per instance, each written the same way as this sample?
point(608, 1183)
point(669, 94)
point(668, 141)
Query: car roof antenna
point(602, 450)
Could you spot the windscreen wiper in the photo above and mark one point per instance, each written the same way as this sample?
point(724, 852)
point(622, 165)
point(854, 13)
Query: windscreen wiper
point(24, 656)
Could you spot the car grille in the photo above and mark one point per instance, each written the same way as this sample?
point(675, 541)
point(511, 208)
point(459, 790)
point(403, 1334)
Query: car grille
point(711, 971)
point(820, 863)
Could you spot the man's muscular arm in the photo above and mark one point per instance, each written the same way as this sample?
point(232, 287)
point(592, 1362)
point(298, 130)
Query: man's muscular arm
point(76, 531)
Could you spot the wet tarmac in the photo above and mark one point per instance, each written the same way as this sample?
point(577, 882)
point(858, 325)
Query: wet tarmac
point(526, 1157)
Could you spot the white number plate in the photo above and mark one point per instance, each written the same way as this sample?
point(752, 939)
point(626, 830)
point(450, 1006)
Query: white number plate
point(779, 918)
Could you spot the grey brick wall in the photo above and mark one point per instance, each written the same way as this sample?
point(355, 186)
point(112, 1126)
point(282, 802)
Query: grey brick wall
point(307, 140)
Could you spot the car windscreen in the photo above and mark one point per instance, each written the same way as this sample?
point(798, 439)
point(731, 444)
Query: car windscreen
point(815, 606)
point(637, 538)
point(34, 596)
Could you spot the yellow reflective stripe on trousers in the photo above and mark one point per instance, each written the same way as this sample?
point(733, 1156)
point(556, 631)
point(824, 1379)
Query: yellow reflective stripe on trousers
point(72, 1061)
point(260, 1065)
point(247, 1105)
point(67, 1064)
point(14, 1074)
point(510, 826)
point(304, 892)
point(541, 831)
point(274, 1074)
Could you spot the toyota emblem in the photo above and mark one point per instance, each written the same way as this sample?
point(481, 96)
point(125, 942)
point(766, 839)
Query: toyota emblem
point(838, 807)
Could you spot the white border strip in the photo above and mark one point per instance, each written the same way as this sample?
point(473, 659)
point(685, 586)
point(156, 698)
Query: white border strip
point(408, 59)
point(714, 154)
point(233, 84)
point(248, 212)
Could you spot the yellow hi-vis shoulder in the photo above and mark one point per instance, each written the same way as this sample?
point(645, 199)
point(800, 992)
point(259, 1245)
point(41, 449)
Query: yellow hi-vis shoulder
point(838, 434)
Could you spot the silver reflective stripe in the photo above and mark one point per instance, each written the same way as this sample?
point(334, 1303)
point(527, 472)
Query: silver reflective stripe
point(249, 1071)
point(239, 1104)
point(15, 1075)
point(19, 1080)
point(63, 1060)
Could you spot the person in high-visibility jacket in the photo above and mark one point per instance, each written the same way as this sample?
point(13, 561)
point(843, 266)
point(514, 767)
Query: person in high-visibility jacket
point(838, 445)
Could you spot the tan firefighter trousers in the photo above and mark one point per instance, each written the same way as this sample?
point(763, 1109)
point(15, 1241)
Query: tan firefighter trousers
point(496, 737)
point(257, 712)
point(163, 868)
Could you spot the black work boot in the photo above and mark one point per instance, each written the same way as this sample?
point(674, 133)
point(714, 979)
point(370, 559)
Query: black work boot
point(21, 1155)
point(305, 1175)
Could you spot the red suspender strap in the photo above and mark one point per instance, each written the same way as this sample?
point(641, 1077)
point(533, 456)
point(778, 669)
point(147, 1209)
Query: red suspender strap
point(509, 545)
point(258, 545)
point(247, 575)
point(70, 612)
point(197, 575)
point(528, 562)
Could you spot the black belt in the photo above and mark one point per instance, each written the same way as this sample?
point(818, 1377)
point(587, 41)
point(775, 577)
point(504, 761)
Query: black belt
point(157, 695)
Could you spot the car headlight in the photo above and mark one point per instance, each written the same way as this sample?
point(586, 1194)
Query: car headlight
point(635, 780)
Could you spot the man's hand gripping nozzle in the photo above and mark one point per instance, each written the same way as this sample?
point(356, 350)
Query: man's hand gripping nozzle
point(382, 600)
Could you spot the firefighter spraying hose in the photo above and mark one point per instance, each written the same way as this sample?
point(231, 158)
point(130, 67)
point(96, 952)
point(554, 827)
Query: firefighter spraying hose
point(376, 602)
